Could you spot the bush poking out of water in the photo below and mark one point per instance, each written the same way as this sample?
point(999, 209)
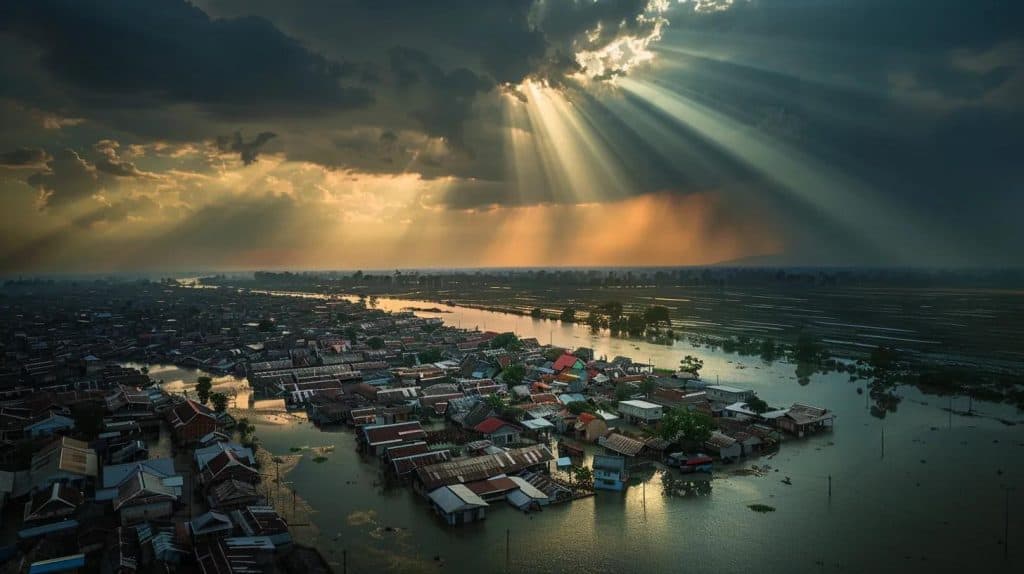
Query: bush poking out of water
point(296, 449)
point(761, 508)
point(319, 459)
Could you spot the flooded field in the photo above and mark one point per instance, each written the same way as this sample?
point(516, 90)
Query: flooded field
point(945, 324)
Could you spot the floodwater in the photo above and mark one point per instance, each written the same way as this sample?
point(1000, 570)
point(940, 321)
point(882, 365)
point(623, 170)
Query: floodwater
point(182, 381)
point(932, 499)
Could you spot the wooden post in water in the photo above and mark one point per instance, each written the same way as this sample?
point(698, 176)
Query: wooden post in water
point(344, 562)
point(508, 550)
point(950, 409)
point(830, 487)
point(883, 442)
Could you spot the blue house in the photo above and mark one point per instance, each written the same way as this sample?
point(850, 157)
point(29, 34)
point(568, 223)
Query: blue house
point(49, 425)
point(610, 472)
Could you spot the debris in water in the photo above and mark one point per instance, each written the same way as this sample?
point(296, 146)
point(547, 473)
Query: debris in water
point(761, 508)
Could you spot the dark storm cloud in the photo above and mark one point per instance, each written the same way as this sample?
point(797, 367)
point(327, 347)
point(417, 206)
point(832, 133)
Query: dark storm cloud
point(24, 157)
point(444, 106)
point(917, 99)
point(123, 52)
point(506, 40)
point(248, 150)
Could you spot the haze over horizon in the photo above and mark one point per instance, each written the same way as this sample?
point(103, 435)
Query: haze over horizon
point(382, 134)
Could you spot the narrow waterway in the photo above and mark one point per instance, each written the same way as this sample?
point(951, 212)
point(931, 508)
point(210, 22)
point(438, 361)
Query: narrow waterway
point(933, 500)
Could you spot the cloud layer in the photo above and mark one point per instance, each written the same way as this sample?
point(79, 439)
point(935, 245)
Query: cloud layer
point(148, 122)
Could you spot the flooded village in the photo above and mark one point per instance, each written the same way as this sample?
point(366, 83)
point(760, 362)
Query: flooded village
point(158, 427)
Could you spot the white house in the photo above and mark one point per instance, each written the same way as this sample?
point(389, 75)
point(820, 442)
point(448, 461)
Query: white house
point(727, 395)
point(640, 411)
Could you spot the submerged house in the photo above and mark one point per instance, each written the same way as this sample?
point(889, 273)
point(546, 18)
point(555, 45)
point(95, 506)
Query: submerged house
point(470, 469)
point(622, 445)
point(727, 448)
point(609, 472)
point(378, 438)
point(457, 504)
point(802, 419)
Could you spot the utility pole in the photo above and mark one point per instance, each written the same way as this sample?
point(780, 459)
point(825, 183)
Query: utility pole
point(645, 499)
point(950, 410)
point(830, 487)
point(1006, 524)
point(344, 562)
point(508, 550)
point(883, 442)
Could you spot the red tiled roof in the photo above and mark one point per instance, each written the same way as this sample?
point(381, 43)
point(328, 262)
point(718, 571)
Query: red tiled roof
point(565, 361)
point(585, 417)
point(491, 425)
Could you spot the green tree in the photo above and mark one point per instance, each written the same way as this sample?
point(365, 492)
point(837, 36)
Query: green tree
point(430, 356)
point(656, 314)
point(513, 374)
point(245, 429)
point(623, 391)
point(635, 325)
point(495, 402)
point(579, 407)
point(583, 476)
point(375, 343)
point(757, 404)
point(568, 315)
point(537, 313)
point(611, 308)
point(88, 417)
point(596, 321)
point(266, 325)
point(553, 353)
point(648, 386)
point(220, 402)
point(808, 350)
point(681, 424)
point(883, 360)
point(511, 413)
point(507, 341)
point(203, 387)
point(769, 352)
point(691, 364)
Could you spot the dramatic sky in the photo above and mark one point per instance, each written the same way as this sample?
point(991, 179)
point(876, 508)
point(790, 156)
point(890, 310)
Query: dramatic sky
point(241, 134)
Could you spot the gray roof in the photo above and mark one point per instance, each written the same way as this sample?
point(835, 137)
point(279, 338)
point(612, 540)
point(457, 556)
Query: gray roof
point(455, 498)
point(115, 474)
